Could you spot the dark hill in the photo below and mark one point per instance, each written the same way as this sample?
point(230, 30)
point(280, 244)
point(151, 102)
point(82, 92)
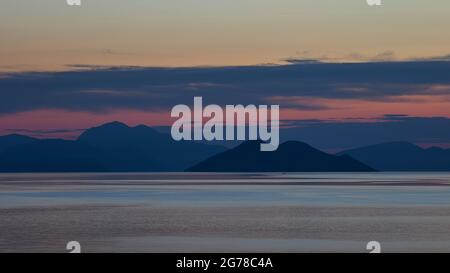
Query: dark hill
point(402, 156)
point(110, 147)
point(291, 156)
point(142, 148)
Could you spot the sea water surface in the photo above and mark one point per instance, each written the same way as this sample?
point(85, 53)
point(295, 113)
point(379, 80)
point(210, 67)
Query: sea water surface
point(216, 212)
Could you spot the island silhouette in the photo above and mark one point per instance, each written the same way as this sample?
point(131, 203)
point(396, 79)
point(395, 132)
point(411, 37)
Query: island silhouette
point(117, 147)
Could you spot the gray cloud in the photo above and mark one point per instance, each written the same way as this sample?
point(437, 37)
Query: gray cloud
point(100, 89)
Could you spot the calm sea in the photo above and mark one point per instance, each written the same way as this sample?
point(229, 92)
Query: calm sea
point(186, 212)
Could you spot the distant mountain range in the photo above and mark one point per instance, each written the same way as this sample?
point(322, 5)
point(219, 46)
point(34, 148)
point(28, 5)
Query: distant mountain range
point(291, 156)
point(402, 156)
point(110, 147)
point(116, 147)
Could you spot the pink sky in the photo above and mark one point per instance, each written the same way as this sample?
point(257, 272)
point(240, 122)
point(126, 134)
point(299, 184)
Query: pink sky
point(424, 106)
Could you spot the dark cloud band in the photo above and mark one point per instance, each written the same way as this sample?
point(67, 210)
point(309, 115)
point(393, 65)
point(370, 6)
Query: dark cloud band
point(103, 89)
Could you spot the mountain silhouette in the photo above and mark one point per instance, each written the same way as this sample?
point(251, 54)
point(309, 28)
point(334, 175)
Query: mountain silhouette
point(12, 140)
point(291, 156)
point(110, 147)
point(402, 156)
point(143, 148)
point(51, 155)
point(117, 147)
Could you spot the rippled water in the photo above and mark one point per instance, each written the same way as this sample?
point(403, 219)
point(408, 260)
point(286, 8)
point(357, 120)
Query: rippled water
point(160, 212)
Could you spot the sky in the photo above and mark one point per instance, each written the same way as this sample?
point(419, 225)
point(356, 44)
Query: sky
point(48, 34)
point(64, 69)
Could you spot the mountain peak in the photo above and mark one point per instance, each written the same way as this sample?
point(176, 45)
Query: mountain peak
point(141, 126)
point(15, 136)
point(399, 146)
point(113, 124)
point(112, 146)
point(403, 144)
point(291, 156)
point(296, 145)
point(12, 140)
point(104, 132)
point(402, 156)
